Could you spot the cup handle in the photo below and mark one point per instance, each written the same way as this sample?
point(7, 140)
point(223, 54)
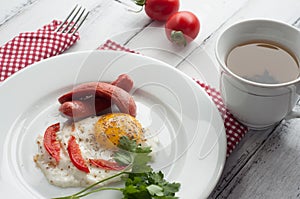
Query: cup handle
point(294, 114)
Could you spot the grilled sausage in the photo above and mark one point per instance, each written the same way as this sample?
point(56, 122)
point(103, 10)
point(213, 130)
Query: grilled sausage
point(124, 82)
point(103, 94)
point(77, 109)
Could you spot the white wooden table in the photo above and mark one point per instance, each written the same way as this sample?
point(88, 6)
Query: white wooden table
point(265, 164)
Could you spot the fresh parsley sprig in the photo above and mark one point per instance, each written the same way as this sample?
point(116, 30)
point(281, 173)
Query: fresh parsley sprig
point(135, 154)
point(141, 181)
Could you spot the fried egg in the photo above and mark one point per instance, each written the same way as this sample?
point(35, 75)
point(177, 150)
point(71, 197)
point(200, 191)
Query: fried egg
point(111, 127)
point(96, 137)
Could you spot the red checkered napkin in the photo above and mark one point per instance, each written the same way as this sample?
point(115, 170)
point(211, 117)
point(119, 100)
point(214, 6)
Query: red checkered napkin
point(30, 47)
point(235, 131)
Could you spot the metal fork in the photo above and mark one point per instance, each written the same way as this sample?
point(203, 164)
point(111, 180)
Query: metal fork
point(78, 16)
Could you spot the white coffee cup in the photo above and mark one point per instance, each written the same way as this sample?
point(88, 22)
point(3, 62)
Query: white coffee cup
point(254, 104)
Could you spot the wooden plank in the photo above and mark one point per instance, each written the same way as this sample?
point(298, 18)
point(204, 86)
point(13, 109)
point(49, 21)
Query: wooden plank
point(162, 49)
point(286, 11)
point(103, 25)
point(297, 23)
point(242, 154)
point(13, 7)
point(273, 172)
point(100, 24)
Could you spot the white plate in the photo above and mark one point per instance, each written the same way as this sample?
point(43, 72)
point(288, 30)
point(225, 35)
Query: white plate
point(192, 138)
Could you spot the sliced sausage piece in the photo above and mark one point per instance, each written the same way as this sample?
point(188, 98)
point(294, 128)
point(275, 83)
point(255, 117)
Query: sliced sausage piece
point(116, 95)
point(124, 82)
point(77, 109)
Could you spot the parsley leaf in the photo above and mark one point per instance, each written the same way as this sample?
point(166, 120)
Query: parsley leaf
point(132, 153)
point(155, 190)
point(126, 144)
point(154, 183)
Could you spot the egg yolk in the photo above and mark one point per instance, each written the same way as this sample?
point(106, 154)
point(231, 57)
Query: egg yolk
point(111, 127)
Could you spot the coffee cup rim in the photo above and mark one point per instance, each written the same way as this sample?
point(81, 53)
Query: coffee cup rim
point(253, 83)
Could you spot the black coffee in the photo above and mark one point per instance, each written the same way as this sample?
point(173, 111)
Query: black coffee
point(263, 62)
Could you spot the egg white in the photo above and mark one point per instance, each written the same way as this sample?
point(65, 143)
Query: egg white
point(65, 174)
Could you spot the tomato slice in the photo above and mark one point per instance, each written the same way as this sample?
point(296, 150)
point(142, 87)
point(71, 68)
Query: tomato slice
point(75, 155)
point(51, 144)
point(107, 165)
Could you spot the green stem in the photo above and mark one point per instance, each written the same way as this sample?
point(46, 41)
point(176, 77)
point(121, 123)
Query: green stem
point(65, 197)
point(140, 2)
point(178, 38)
point(91, 186)
point(99, 189)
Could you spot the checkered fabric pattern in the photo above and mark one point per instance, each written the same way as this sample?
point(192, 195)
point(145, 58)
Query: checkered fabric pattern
point(235, 131)
point(30, 47)
point(111, 45)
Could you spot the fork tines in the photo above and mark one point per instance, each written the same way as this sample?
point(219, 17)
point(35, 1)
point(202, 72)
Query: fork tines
point(77, 15)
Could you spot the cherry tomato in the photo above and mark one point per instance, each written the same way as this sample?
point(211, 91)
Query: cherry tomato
point(182, 27)
point(51, 144)
point(159, 10)
point(75, 155)
point(108, 165)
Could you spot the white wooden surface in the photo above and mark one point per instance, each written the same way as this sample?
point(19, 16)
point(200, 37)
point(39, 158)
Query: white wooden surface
point(265, 164)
